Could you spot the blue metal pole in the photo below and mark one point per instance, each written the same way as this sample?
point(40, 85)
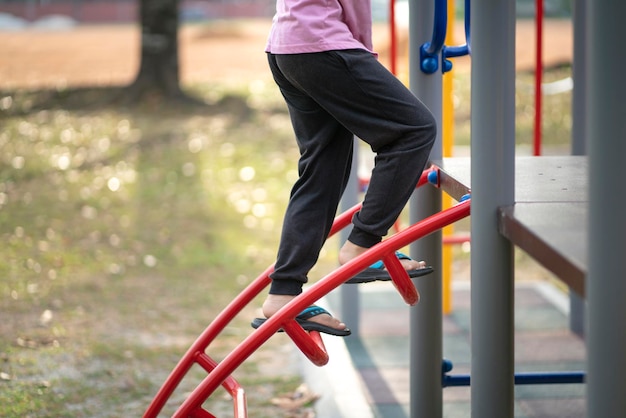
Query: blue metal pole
point(429, 51)
point(561, 378)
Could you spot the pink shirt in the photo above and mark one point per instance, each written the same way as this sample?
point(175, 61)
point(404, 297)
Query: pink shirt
point(302, 26)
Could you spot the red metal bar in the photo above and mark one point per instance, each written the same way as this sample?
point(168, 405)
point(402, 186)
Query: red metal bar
point(310, 343)
point(203, 341)
point(220, 322)
point(457, 239)
point(240, 404)
point(234, 359)
point(401, 279)
point(345, 218)
point(538, 76)
point(393, 42)
point(201, 413)
point(230, 384)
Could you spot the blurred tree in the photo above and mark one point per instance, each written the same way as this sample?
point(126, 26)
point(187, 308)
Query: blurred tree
point(158, 74)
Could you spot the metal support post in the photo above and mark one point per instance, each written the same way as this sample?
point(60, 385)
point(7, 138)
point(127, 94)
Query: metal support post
point(349, 295)
point(579, 112)
point(493, 185)
point(606, 284)
point(580, 76)
point(426, 317)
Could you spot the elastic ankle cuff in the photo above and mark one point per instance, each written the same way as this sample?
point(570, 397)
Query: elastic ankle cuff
point(363, 239)
point(285, 287)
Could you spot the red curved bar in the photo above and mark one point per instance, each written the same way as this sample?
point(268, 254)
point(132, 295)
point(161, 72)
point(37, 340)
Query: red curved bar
point(201, 413)
point(311, 343)
point(314, 293)
point(203, 341)
point(345, 218)
point(459, 239)
point(401, 279)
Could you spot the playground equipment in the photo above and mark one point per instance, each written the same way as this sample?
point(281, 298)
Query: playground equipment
point(520, 378)
point(310, 343)
point(493, 172)
point(493, 184)
point(431, 51)
point(538, 75)
point(493, 188)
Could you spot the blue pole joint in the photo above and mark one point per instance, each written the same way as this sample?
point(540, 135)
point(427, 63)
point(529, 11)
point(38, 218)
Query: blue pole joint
point(428, 61)
point(433, 178)
point(429, 51)
point(452, 52)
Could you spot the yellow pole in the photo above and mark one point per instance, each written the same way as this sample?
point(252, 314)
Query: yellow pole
point(448, 143)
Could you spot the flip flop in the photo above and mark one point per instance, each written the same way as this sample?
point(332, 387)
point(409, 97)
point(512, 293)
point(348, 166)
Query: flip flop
point(377, 272)
point(303, 320)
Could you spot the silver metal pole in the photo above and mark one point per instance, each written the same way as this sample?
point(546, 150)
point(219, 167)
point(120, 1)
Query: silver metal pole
point(579, 112)
point(426, 317)
point(349, 294)
point(606, 284)
point(579, 72)
point(493, 185)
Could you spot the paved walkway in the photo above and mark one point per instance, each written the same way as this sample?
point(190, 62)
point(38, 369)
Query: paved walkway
point(368, 375)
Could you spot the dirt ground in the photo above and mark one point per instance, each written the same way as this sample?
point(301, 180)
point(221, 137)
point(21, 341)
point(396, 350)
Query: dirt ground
point(222, 51)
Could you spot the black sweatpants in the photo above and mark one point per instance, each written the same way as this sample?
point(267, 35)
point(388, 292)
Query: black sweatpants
point(332, 96)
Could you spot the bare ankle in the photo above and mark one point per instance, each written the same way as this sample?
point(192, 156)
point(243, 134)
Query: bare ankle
point(350, 251)
point(274, 302)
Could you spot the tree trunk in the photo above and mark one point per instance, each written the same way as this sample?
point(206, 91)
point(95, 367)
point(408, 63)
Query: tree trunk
point(158, 75)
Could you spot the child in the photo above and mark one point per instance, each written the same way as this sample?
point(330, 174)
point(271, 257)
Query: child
point(320, 54)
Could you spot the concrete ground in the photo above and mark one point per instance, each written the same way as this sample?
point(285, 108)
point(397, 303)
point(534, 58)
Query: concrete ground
point(368, 375)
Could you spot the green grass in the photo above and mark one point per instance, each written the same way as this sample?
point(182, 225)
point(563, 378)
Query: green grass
point(556, 112)
point(126, 230)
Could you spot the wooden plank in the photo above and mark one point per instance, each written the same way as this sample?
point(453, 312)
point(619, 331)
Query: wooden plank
point(454, 177)
point(537, 179)
point(554, 234)
point(551, 179)
point(549, 218)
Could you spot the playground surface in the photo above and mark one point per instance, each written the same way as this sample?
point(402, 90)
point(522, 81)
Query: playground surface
point(379, 356)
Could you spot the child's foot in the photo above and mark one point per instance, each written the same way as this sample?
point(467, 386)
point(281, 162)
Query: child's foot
point(274, 302)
